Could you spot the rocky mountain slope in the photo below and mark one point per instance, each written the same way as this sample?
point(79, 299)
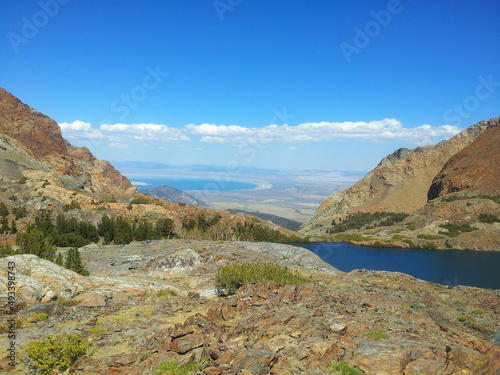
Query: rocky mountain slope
point(476, 168)
point(278, 220)
point(406, 181)
point(173, 195)
point(41, 171)
point(145, 305)
point(30, 140)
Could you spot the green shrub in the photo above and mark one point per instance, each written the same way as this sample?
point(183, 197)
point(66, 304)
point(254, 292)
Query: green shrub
point(230, 278)
point(34, 241)
point(488, 218)
point(173, 368)
point(55, 353)
point(74, 205)
point(456, 197)
point(344, 369)
point(41, 316)
point(348, 237)
point(399, 237)
point(4, 210)
point(454, 230)
point(471, 323)
point(20, 212)
point(6, 250)
point(480, 327)
point(377, 335)
point(411, 226)
point(97, 330)
point(165, 294)
point(140, 200)
point(430, 236)
point(367, 220)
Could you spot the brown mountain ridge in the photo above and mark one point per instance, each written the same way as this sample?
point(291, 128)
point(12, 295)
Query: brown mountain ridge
point(31, 140)
point(40, 170)
point(409, 181)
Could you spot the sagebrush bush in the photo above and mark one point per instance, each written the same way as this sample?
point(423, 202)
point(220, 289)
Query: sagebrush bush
point(344, 369)
point(55, 353)
point(488, 218)
point(378, 335)
point(173, 368)
point(230, 278)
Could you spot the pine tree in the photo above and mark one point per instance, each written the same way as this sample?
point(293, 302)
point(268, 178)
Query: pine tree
point(4, 226)
point(4, 211)
point(34, 241)
point(74, 262)
point(13, 227)
point(59, 260)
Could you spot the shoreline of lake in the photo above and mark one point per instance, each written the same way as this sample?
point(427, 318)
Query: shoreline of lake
point(445, 267)
point(193, 183)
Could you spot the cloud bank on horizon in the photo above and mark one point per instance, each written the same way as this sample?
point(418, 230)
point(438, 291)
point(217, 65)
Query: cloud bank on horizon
point(120, 135)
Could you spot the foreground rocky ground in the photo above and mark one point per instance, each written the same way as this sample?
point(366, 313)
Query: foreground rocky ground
point(145, 304)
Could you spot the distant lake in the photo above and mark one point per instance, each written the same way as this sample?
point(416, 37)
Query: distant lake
point(446, 267)
point(189, 183)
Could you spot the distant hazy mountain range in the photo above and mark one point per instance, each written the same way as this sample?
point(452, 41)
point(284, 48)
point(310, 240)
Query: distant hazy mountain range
point(173, 195)
point(281, 221)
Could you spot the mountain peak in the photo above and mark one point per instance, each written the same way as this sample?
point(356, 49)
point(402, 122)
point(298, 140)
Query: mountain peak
point(402, 181)
point(31, 140)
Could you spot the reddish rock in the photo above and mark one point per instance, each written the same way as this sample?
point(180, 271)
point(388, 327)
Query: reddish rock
point(90, 299)
point(256, 361)
point(186, 343)
point(212, 371)
point(180, 333)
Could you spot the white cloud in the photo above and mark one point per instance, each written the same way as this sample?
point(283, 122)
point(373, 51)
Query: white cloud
point(75, 125)
point(376, 131)
point(120, 135)
point(81, 133)
point(144, 132)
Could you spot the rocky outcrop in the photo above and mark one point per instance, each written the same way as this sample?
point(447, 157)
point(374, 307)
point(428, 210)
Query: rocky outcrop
point(173, 195)
point(38, 280)
point(476, 168)
point(140, 268)
point(378, 322)
point(30, 140)
point(401, 181)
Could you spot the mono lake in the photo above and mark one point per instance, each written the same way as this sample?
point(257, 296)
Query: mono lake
point(190, 183)
point(446, 267)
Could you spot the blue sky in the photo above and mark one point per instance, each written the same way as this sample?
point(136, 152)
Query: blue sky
point(331, 85)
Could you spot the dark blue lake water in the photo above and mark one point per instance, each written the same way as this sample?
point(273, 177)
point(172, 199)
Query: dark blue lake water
point(190, 183)
point(446, 267)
